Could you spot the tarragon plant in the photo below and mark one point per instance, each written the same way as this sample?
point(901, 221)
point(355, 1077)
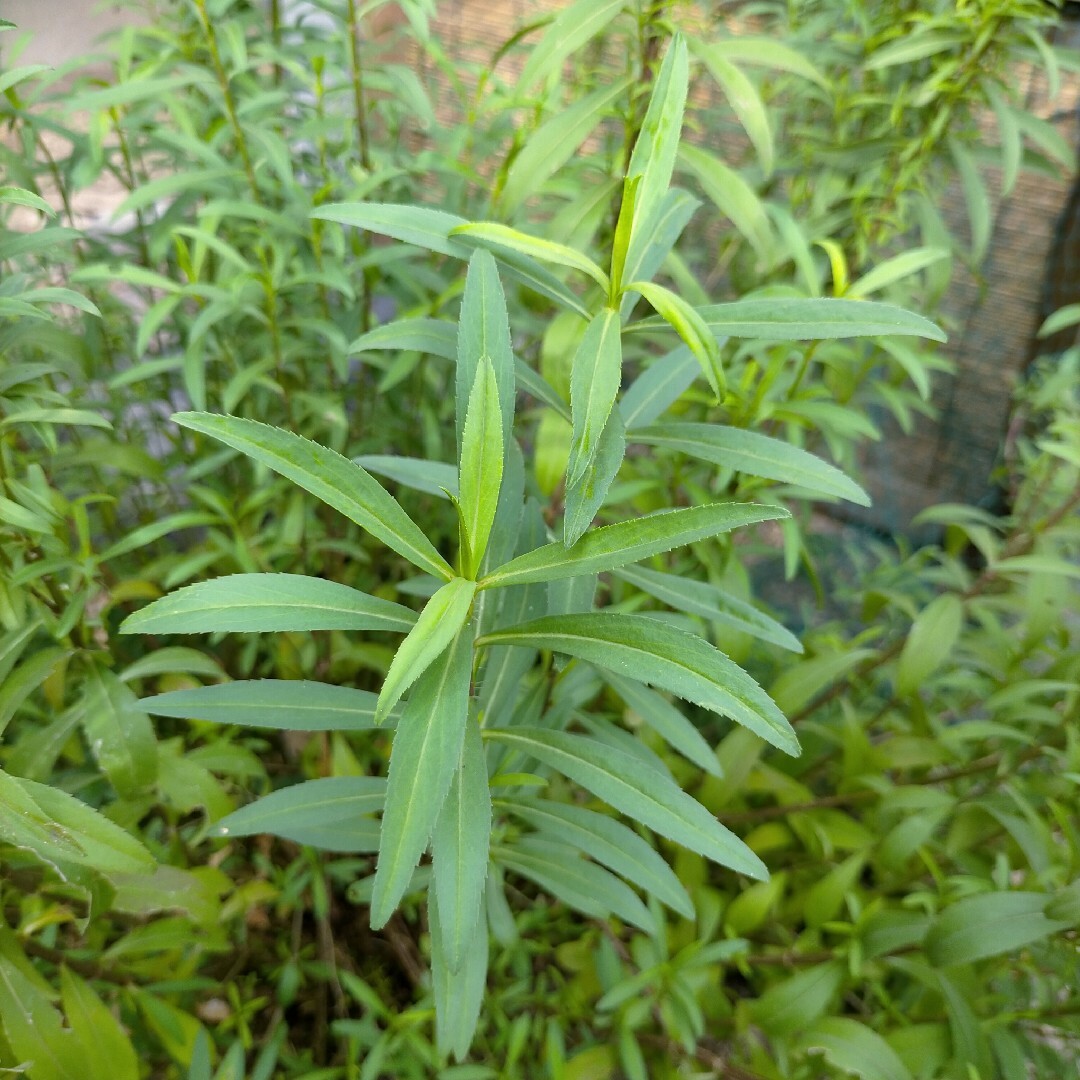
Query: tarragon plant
point(489, 690)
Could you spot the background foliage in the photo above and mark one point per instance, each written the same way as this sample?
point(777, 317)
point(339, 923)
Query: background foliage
point(919, 918)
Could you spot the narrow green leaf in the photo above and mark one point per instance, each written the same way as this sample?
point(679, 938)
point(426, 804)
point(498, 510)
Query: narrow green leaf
point(327, 813)
point(484, 331)
point(690, 326)
point(897, 268)
point(930, 642)
point(421, 226)
point(254, 603)
point(74, 417)
point(106, 1052)
point(658, 387)
point(666, 720)
point(594, 383)
point(629, 541)
point(654, 652)
point(433, 336)
point(710, 602)
point(439, 623)
point(789, 319)
point(584, 886)
point(458, 996)
point(855, 1049)
point(27, 677)
point(33, 1028)
point(908, 48)
point(765, 52)
point(803, 680)
point(732, 196)
point(334, 479)
point(120, 734)
point(636, 790)
point(672, 216)
point(481, 469)
point(743, 98)
point(15, 196)
point(585, 497)
point(498, 237)
point(756, 454)
point(609, 842)
point(571, 28)
point(437, 478)
point(459, 850)
point(423, 760)
point(280, 704)
point(792, 1005)
point(554, 143)
point(976, 197)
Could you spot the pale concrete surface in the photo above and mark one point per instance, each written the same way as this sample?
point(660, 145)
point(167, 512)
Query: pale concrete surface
point(60, 30)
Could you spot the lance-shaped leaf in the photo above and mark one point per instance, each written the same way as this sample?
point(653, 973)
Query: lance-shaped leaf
point(438, 478)
point(594, 382)
point(436, 337)
point(571, 28)
point(484, 331)
point(584, 886)
point(657, 144)
point(798, 319)
point(423, 760)
point(481, 469)
point(459, 849)
point(334, 479)
point(635, 789)
point(756, 454)
point(658, 387)
point(690, 326)
point(498, 237)
point(710, 602)
point(609, 842)
point(267, 602)
point(423, 226)
point(120, 734)
point(664, 656)
point(585, 497)
point(443, 616)
point(666, 720)
point(458, 996)
point(327, 814)
point(279, 704)
point(629, 541)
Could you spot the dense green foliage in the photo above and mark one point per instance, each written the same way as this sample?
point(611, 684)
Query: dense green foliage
point(446, 482)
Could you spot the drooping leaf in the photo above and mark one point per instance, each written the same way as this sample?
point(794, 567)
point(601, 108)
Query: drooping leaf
point(423, 760)
point(634, 789)
point(767, 52)
point(442, 618)
point(460, 850)
point(458, 996)
point(856, 1048)
point(571, 28)
point(334, 479)
point(630, 541)
point(437, 478)
point(434, 336)
point(756, 454)
point(33, 1028)
point(258, 603)
point(329, 813)
point(653, 652)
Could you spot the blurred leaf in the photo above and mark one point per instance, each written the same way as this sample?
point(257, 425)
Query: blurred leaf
point(930, 642)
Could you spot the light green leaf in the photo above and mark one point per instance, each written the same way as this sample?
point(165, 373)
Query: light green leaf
point(666, 720)
point(658, 387)
point(1066, 316)
point(74, 417)
point(34, 1031)
point(634, 789)
point(421, 226)
point(458, 996)
point(437, 478)
point(554, 143)
point(732, 196)
point(743, 98)
point(629, 541)
point(594, 383)
point(989, 924)
point(791, 1005)
point(756, 454)
point(930, 642)
point(609, 842)
point(481, 469)
point(334, 479)
point(327, 813)
point(765, 52)
point(710, 602)
point(436, 337)
point(107, 1053)
point(654, 652)
point(801, 681)
point(120, 734)
point(585, 497)
point(280, 704)
point(690, 326)
point(27, 677)
point(854, 1048)
point(895, 269)
point(423, 760)
point(267, 602)
point(484, 331)
point(584, 886)
point(498, 237)
point(439, 623)
point(789, 319)
point(15, 196)
point(976, 197)
point(459, 850)
point(908, 48)
point(571, 28)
